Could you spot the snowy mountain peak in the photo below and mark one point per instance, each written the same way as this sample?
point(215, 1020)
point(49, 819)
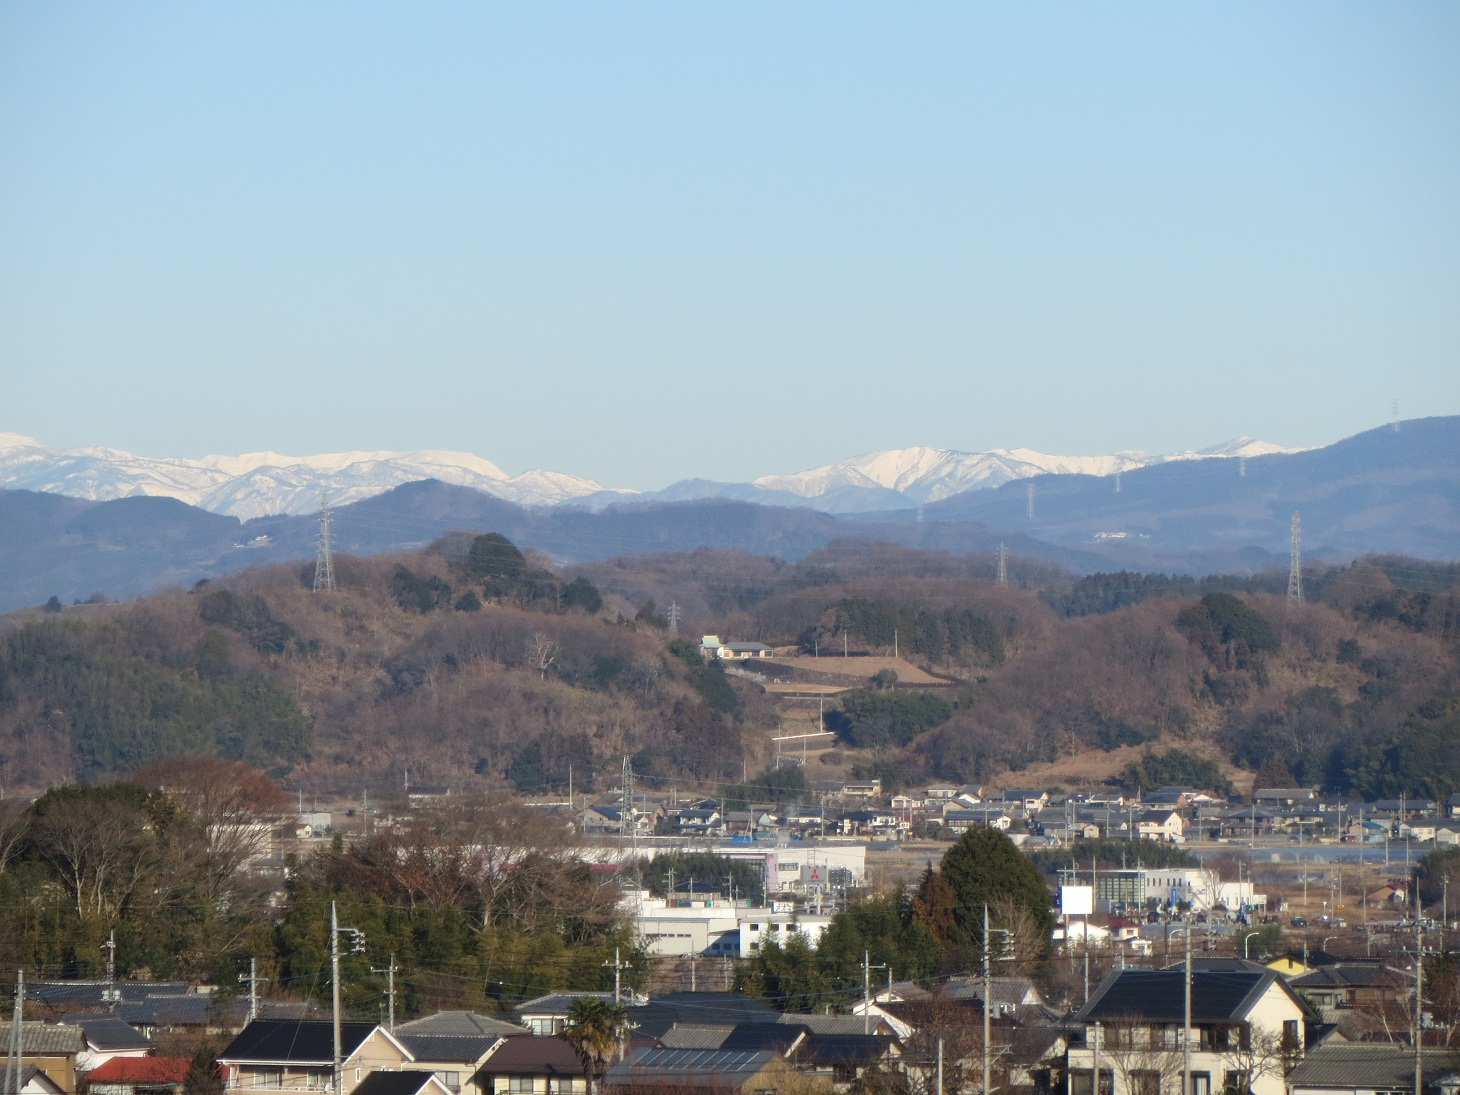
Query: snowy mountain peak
point(925, 474)
point(260, 483)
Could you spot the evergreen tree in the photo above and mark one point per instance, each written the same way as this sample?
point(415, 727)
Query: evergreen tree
point(985, 869)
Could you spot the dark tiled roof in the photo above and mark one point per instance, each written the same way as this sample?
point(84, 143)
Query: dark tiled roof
point(1158, 995)
point(393, 1083)
point(533, 1055)
point(294, 1040)
point(73, 994)
point(182, 1010)
point(458, 1049)
point(750, 1037)
point(1352, 977)
point(108, 1032)
point(714, 1069)
point(721, 1008)
point(1220, 965)
point(835, 1049)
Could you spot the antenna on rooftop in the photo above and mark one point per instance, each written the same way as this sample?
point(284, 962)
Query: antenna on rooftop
point(1295, 568)
point(324, 562)
point(1003, 566)
point(1029, 500)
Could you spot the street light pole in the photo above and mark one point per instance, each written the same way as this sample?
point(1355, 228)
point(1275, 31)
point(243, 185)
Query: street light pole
point(1247, 939)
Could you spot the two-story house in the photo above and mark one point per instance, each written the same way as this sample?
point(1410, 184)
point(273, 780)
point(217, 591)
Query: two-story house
point(1247, 1026)
point(272, 1055)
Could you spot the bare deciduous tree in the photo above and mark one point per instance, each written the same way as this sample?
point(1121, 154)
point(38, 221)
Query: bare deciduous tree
point(542, 653)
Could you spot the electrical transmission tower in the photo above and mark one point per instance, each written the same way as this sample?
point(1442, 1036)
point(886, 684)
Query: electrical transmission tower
point(627, 825)
point(1241, 467)
point(1003, 566)
point(324, 562)
point(1029, 501)
point(674, 618)
point(1117, 480)
point(1295, 568)
point(1394, 417)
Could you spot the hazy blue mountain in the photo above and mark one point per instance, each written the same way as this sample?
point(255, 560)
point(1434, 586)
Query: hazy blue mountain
point(1380, 490)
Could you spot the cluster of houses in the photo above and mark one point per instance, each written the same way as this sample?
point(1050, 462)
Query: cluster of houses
point(1035, 817)
point(1280, 1029)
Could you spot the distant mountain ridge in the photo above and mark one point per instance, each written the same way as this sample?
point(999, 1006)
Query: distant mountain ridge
point(261, 484)
point(1382, 491)
point(266, 483)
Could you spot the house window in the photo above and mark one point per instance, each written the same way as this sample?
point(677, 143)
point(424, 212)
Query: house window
point(1292, 1041)
point(1080, 1082)
point(1145, 1081)
point(268, 1077)
point(318, 1079)
point(1201, 1083)
point(1235, 1082)
point(567, 1085)
point(450, 1080)
point(521, 1083)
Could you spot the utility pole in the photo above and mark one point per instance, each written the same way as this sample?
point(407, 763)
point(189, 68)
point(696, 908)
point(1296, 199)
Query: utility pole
point(253, 981)
point(988, 992)
point(337, 1059)
point(389, 972)
point(358, 939)
point(1003, 578)
point(16, 1049)
point(1419, 993)
point(324, 561)
point(1295, 567)
point(618, 968)
point(867, 969)
point(940, 1066)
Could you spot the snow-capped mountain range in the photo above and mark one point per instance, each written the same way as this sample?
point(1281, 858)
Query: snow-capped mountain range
point(264, 483)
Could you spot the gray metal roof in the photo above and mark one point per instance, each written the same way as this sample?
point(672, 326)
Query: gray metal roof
point(696, 1036)
point(458, 1023)
point(45, 1038)
point(558, 1003)
point(1359, 1065)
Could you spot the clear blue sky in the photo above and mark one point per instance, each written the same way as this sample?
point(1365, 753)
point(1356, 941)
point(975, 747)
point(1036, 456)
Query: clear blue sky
point(647, 241)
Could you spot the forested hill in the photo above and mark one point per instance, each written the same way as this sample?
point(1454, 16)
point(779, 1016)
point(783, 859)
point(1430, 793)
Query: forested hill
point(469, 665)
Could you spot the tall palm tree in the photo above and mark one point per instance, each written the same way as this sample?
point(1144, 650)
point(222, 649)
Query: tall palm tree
point(595, 1026)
